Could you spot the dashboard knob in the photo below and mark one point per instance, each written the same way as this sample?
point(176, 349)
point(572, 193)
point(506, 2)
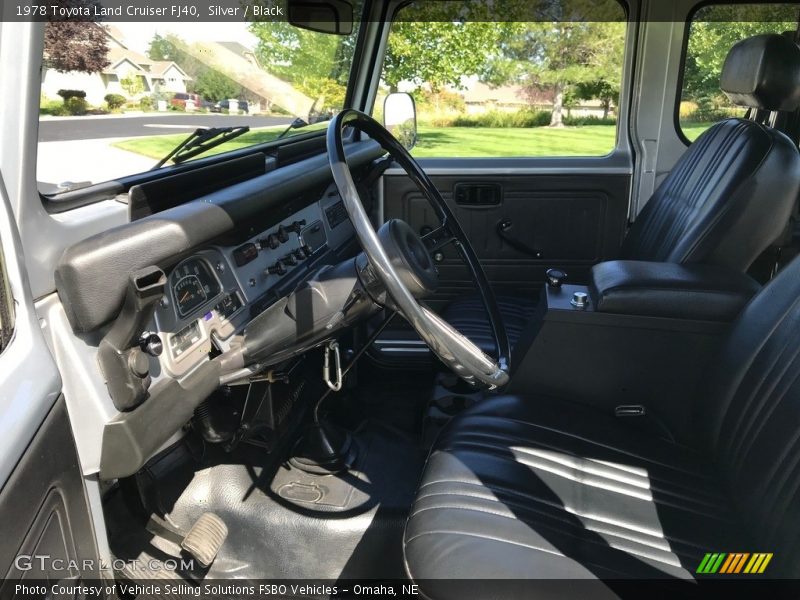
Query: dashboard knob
point(283, 234)
point(300, 253)
point(297, 226)
point(290, 259)
point(276, 269)
point(555, 277)
point(273, 241)
point(151, 343)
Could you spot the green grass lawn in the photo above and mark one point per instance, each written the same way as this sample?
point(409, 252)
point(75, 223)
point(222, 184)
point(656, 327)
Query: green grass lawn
point(157, 146)
point(593, 140)
point(590, 140)
point(693, 130)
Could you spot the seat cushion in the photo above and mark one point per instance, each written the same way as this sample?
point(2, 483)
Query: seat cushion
point(529, 488)
point(468, 315)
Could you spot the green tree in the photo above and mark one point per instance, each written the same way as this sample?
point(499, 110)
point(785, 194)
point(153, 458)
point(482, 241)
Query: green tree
point(132, 84)
point(214, 86)
point(161, 48)
point(560, 55)
point(605, 91)
point(317, 64)
point(438, 53)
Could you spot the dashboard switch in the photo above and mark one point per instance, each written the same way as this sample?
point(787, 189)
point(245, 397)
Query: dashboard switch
point(151, 343)
point(272, 241)
point(297, 226)
point(276, 269)
point(283, 234)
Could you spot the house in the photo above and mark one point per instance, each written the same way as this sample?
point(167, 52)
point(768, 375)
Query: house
point(155, 76)
point(257, 101)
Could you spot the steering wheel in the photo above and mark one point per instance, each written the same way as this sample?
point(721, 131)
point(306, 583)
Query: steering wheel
point(400, 260)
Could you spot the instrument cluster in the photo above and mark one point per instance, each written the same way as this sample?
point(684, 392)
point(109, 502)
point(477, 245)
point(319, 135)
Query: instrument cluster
point(214, 293)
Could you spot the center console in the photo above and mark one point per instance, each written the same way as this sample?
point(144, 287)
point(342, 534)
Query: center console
point(640, 334)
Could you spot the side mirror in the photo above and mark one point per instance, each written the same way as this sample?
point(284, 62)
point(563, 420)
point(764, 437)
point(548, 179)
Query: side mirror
point(323, 16)
point(400, 118)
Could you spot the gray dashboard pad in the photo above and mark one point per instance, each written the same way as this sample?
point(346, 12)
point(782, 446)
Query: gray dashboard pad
point(92, 275)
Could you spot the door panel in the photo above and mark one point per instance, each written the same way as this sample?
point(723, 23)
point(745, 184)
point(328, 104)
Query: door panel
point(43, 502)
point(44, 512)
point(570, 221)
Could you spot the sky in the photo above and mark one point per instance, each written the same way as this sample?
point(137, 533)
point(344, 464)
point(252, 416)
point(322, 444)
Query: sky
point(138, 35)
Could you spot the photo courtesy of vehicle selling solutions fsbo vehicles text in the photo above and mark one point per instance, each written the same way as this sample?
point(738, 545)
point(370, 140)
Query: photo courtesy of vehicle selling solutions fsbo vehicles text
point(419, 299)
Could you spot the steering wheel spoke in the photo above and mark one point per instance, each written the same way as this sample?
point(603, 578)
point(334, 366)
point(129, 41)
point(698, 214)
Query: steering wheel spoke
point(439, 238)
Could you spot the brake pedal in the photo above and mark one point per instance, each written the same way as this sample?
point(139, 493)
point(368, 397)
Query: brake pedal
point(205, 538)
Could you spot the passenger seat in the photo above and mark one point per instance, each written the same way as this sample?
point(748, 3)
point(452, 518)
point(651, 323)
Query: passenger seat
point(725, 201)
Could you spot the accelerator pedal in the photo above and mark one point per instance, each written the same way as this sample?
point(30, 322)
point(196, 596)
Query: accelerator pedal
point(205, 538)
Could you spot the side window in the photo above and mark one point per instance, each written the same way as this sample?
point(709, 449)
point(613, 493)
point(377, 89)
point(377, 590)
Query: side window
point(521, 88)
point(713, 30)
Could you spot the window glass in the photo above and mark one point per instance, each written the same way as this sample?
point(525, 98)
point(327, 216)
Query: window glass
point(521, 88)
point(116, 98)
point(713, 31)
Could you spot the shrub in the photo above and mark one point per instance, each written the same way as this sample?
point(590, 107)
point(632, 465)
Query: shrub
point(52, 107)
point(707, 109)
point(114, 101)
point(687, 109)
point(588, 120)
point(146, 104)
point(67, 94)
point(76, 105)
point(495, 118)
point(442, 100)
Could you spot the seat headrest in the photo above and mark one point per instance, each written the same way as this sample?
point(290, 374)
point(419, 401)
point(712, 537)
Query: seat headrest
point(763, 72)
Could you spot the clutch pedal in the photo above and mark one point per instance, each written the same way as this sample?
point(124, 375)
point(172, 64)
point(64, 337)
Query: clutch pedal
point(202, 542)
point(205, 538)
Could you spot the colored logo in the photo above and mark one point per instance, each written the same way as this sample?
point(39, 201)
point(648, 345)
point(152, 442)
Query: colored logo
point(734, 563)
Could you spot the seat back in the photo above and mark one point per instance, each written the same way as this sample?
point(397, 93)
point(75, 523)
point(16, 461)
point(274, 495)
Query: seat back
point(731, 194)
point(750, 414)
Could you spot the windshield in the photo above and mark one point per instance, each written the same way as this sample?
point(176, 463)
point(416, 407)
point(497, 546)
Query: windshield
point(118, 98)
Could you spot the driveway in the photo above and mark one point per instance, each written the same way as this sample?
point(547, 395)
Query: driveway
point(85, 161)
point(60, 129)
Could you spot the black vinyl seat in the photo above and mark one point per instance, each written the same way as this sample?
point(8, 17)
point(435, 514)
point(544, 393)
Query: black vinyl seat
point(728, 197)
point(544, 488)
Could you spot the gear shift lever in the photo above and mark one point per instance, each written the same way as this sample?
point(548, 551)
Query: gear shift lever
point(325, 448)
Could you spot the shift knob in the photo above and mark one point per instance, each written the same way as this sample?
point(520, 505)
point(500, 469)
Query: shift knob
point(555, 277)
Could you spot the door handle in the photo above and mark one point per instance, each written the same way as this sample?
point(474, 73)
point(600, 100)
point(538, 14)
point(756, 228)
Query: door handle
point(504, 228)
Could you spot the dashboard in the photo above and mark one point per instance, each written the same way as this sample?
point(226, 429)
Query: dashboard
point(215, 292)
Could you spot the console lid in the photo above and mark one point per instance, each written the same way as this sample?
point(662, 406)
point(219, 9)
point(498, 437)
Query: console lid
point(657, 289)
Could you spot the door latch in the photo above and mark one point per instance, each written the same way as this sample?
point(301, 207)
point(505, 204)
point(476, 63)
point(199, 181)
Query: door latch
point(334, 383)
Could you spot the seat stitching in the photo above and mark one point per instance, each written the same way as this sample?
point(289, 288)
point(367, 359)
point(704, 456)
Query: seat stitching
point(619, 488)
point(513, 492)
point(669, 540)
point(650, 476)
point(536, 548)
point(583, 439)
point(485, 537)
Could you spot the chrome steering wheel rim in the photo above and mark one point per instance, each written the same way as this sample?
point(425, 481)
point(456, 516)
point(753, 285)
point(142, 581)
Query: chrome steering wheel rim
point(455, 350)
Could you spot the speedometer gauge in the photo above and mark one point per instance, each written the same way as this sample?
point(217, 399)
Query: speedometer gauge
point(189, 294)
point(193, 286)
